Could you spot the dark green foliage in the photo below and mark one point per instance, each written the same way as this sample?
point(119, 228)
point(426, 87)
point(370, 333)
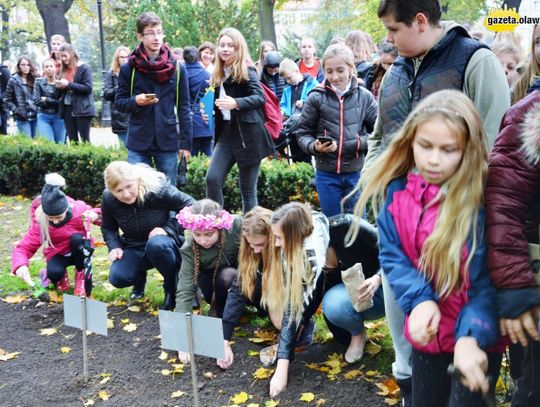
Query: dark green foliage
point(24, 163)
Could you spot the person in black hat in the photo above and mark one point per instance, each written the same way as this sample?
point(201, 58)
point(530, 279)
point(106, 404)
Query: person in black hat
point(270, 73)
point(60, 223)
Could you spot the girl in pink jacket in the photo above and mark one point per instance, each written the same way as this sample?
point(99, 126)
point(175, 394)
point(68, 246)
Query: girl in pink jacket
point(58, 222)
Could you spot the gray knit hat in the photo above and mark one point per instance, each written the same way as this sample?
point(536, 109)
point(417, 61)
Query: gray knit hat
point(53, 200)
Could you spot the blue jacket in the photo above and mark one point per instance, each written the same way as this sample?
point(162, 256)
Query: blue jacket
point(286, 98)
point(478, 316)
point(154, 126)
point(198, 78)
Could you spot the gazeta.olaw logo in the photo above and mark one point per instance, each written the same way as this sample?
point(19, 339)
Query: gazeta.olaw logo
point(499, 20)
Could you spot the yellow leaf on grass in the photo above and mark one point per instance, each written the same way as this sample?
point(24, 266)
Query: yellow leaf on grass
point(262, 373)
point(372, 349)
point(110, 323)
point(125, 321)
point(65, 349)
point(5, 356)
point(391, 402)
point(370, 373)
point(14, 299)
point(239, 398)
point(176, 394)
point(271, 403)
point(130, 327)
point(134, 308)
point(352, 374)
point(48, 331)
point(307, 397)
point(253, 352)
point(163, 355)
point(103, 395)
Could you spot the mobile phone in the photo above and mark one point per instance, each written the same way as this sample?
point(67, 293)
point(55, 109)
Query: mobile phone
point(149, 95)
point(324, 139)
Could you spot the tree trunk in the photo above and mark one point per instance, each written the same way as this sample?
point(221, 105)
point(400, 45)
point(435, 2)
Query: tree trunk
point(266, 16)
point(4, 43)
point(53, 14)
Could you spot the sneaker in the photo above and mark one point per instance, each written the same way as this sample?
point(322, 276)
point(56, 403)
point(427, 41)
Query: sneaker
point(79, 284)
point(136, 295)
point(63, 283)
point(268, 355)
point(45, 281)
point(357, 354)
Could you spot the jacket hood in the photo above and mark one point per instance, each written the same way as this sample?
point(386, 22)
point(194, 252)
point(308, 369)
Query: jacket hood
point(530, 133)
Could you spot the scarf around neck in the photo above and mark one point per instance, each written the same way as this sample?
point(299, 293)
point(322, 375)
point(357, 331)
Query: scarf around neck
point(161, 69)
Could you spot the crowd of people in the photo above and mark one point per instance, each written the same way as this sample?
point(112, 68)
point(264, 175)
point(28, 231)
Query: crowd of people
point(434, 132)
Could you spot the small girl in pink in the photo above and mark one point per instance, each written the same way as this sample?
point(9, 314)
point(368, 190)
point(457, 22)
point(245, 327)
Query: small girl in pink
point(58, 222)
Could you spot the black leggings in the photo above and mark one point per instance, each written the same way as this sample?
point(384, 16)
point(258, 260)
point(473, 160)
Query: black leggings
point(76, 125)
point(432, 386)
point(224, 280)
point(56, 266)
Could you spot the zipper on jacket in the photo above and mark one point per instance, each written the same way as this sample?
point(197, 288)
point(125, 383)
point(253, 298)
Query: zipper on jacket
point(137, 221)
point(340, 147)
point(240, 131)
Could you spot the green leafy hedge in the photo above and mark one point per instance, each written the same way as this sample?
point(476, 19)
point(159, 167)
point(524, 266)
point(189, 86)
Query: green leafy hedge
point(24, 163)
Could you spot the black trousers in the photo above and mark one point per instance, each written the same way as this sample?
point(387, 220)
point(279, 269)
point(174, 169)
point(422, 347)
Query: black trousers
point(528, 385)
point(76, 125)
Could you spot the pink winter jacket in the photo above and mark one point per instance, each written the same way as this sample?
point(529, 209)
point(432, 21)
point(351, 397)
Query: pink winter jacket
point(60, 236)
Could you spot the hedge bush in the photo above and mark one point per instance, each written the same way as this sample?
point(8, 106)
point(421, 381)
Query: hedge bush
point(24, 162)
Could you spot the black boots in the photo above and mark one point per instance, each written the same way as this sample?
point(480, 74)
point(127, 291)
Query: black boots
point(169, 303)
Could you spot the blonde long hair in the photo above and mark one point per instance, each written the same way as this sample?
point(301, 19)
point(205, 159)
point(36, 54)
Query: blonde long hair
point(239, 67)
point(257, 222)
point(115, 65)
point(442, 250)
point(290, 268)
point(527, 77)
point(43, 221)
point(148, 179)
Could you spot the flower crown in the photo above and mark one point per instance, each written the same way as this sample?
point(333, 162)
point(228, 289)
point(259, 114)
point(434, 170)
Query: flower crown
point(198, 221)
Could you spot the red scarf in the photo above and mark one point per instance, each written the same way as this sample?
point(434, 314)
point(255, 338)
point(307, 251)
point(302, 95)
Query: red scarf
point(161, 70)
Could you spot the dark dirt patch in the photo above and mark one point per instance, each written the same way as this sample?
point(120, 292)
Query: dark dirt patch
point(43, 376)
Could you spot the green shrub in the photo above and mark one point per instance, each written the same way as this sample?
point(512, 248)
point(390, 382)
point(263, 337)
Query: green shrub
point(24, 163)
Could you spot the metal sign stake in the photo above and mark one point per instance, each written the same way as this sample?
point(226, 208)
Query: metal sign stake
point(192, 359)
point(85, 355)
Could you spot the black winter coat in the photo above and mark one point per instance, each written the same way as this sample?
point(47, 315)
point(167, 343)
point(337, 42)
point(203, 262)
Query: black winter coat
point(137, 221)
point(19, 99)
point(251, 140)
point(82, 101)
point(347, 120)
point(119, 120)
point(50, 92)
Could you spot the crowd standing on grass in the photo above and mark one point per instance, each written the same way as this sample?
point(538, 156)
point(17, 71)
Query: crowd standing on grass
point(422, 128)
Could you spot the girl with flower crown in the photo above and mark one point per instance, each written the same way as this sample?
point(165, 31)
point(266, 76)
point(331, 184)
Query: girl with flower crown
point(209, 255)
point(428, 187)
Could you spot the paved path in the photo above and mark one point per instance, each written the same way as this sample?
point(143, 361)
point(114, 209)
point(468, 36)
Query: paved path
point(103, 136)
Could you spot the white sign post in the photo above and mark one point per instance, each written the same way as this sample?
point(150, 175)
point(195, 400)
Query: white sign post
point(85, 314)
point(195, 334)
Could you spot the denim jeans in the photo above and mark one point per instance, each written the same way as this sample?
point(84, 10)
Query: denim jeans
point(337, 307)
point(27, 127)
point(159, 252)
point(51, 126)
point(122, 138)
point(332, 188)
point(220, 165)
point(202, 145)
point(166, 161)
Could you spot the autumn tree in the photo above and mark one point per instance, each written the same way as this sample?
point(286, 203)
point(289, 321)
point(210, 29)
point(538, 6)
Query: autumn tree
point(266, 16)
point(53, 13)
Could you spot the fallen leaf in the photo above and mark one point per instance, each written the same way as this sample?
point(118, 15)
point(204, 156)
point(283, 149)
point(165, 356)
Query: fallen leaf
point(271, 403)
point(171, 360)
point(105, 380)
point(165, 372)
point(320, 402)
point(103, 395)
point(253, 405)
point(108, 287)
point(388, 387)
point(14, 299)
point(253, 352)
point(392, 402)
point(209, 375)
point(370, 373)
point(125, 321)
point(48, 331)
point(239, 398)
point(130, 327)
point(65, 349)
point(372, 349)
point(163, 355)
point(5, 356)
point(89, 402)
point(110, 323)
point(176, 394)
point(263, 336)
point(178, 368)
point(262, 373)
point(352, 374)
point(55, 297)
point(134, 308)
point(374, 325)
point(307, 397)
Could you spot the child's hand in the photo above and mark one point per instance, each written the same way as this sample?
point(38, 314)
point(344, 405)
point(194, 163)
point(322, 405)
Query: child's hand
point(90, 215)
point(204, 117)
point(183, 357)
point(368, 289)
point(518, 328)
point(227, 361)
point(115, 254)
point(472, 362)
point(24, 274)
point(424, 322)
point(326, 147)
point(279, 380)
point(226, 103)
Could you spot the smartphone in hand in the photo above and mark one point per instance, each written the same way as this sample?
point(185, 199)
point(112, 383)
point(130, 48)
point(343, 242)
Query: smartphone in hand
point(149, 96)
point(325, 139)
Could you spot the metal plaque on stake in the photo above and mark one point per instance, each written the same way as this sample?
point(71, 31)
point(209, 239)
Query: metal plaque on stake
point(85, 314)
point(195, 334)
